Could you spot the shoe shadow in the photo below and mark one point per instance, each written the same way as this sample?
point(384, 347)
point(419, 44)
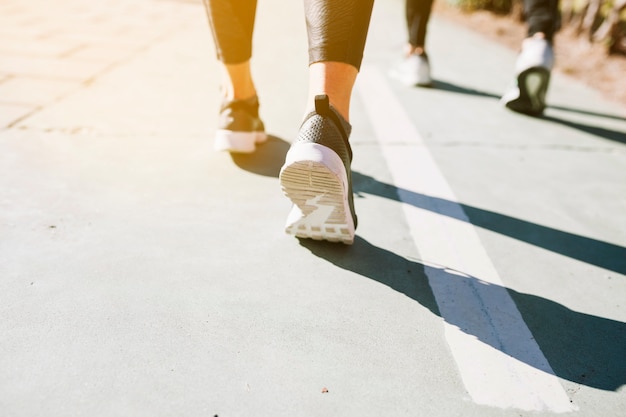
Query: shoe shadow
point(588, 250)
point(613, 135)
point(587, 112)
point(601, 132)
point(455, 88)
point(266, 160)
point(579, 347)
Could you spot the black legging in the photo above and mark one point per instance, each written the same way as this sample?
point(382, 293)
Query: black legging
point(336, 29)
point(417, 14)
point(541, 15)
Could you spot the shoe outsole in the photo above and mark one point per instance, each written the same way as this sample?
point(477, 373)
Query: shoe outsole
point(533, 87)
point(238, 142)
point(313, 180)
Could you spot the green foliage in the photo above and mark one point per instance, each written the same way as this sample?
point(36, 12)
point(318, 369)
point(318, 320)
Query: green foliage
point(496, 6)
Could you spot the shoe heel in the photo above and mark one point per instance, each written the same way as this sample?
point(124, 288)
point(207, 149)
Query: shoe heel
point(533, 85)
point(314, 179)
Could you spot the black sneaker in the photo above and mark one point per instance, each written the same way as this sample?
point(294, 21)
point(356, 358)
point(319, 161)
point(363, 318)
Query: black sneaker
point(528, 95)
point(316, 177)
point(239, 126)
point(533, 66)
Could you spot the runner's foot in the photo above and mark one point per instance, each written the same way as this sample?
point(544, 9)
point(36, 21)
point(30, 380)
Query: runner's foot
point(239, 127)
point(317, 178)
point(533, 66)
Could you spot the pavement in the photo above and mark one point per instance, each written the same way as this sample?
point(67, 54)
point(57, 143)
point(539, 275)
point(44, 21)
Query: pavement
point(144, 274)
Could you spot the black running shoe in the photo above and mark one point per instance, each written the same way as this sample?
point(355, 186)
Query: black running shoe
point(528, 96)
point(532, 68)
point(239, 126)
point(316, 177)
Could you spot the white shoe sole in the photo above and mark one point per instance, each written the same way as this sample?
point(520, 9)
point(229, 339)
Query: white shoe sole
point(237, 142)
point(315, 180)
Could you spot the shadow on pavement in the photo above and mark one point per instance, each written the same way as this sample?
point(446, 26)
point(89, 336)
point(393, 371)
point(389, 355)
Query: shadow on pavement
point(581, 348)
point(454, 88)
point(587, 112)
point(266, 160)
point(592, 251)
point(613, 135)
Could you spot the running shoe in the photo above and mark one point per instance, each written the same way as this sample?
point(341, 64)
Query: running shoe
point(533, 66)
point(317, 178)
point(414, 70)
point(239, 127)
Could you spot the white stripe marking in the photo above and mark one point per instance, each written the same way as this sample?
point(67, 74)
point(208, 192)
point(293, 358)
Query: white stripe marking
point(499, 361)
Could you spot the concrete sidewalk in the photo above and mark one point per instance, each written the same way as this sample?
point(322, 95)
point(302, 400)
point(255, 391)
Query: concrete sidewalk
point(143, 274)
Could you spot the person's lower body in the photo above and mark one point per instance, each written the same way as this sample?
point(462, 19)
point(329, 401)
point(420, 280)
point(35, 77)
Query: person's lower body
point(316, 175)
point(535, 61)
point(414, 69)
point(240, 127)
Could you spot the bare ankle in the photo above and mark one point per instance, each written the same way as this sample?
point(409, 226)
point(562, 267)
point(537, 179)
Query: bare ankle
point(334, 79)
point(237, 81)
point(414, 50)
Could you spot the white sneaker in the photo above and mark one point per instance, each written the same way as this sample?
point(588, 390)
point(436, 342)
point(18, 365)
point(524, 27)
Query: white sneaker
point(413, 71)
point(532, 69)
point(536, 52)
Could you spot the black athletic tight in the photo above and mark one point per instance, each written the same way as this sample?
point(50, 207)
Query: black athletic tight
point(336, 29)
point(541, 16)
point(417, 15)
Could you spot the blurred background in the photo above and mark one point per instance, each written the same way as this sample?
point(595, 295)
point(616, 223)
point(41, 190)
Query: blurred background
point(591, 45)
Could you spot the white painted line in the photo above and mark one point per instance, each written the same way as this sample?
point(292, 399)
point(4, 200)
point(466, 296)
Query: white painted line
point(499, 361)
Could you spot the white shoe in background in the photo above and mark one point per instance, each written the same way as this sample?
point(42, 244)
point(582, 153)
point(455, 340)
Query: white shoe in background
point(414, 70)
point(532, 70)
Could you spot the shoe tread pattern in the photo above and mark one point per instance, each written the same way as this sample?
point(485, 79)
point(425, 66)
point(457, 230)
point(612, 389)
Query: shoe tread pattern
point(314, 188)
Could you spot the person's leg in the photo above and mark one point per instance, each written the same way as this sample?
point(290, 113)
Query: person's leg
point(237, 82)
point(417, 14)
point(334, 79)
point(535, 60)
point(232, 25)
point(316, 175)
point(337, 31)
point(414, 69)
point(543, 18)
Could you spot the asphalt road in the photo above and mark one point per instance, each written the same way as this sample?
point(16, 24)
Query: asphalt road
point(143, 274)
